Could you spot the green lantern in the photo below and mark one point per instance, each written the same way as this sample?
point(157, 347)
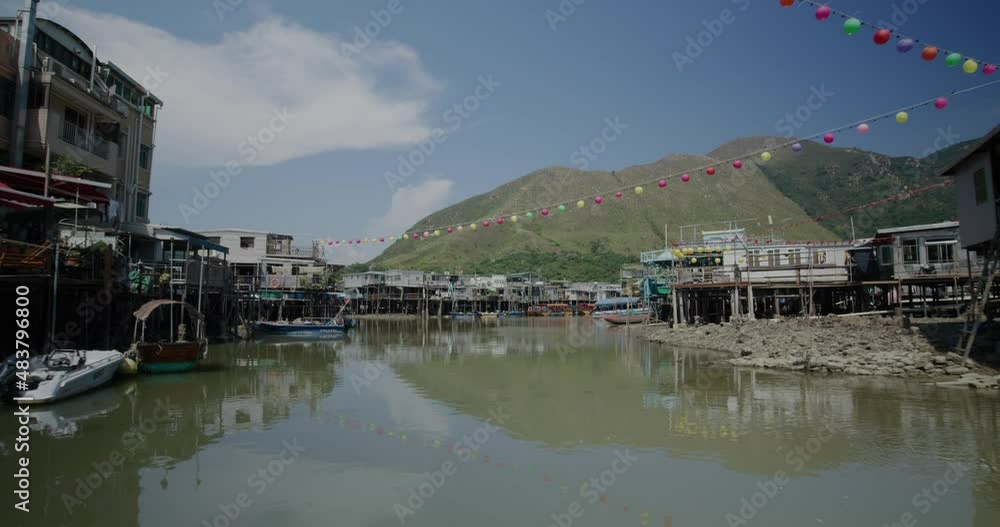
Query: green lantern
point(953, 59)
point(852, 26)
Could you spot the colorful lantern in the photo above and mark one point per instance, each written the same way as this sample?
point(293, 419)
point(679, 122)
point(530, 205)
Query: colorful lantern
point(473, 226)
point(529, 215)
point(882, 36)
point(486, 223)
point(618, 194)
point(852, 26)
point(381, 240)
point(461, 228)
point(710, 171)
point(694, 260)
point(970, 66)
point(500, 221)
point(662, 183)
point(941, 103)
point(989, 69)
point(437, 233)
point(562, 208)
point(929, 53)
point(787, 3)
point(514, 218)
point(823, 13)
point(828, 138)
point(737, 164)
point(718, 261)
point(580, 204)
point(416, 236)
point(905, 45)
point(797, 147)
point(863, 128)
point(685, 178)
point(765, 157)
point(545, 212)
point(952, 60)
point(902, 117)
point(358, 242)
point(638, 190)
point(598, 200)
point(450, 230)
point(427, 234)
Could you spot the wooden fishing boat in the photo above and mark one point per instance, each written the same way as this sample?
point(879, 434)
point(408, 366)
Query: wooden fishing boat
point(537, 311)
point(169, 355)
point(456, 315)
point(622, 320)
point(559, 310)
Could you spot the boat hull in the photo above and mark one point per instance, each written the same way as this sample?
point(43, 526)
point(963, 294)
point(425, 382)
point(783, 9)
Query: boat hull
point(300, 330)
point(169, 357)
point(626, 319)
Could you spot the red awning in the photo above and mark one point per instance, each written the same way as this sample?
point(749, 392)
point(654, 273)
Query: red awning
point(62, 187)
point(16, 199)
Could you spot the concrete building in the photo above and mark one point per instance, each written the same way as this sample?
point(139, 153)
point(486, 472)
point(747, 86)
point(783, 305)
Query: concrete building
point(59, 102)
point(269, 260)
point(978, 191)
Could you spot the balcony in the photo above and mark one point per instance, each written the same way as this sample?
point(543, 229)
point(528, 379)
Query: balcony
point(86, 140)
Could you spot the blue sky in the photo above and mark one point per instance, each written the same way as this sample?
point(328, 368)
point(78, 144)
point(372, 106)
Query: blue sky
point(356, 113)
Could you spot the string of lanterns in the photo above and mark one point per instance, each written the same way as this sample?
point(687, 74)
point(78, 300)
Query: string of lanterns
point(904, 44)
point(863, 127)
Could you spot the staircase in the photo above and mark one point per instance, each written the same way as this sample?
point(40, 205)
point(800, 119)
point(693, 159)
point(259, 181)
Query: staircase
point(976, 316)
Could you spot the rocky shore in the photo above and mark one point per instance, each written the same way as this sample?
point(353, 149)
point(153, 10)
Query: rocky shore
point(832, 345)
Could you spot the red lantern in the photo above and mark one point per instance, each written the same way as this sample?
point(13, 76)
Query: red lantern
point(929, 53)
point(882, 36)
point(486, 223)
point(499, 221)
point(787, 3)
point(710, 171)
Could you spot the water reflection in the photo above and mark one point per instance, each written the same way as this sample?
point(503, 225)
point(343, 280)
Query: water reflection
point(377, 410)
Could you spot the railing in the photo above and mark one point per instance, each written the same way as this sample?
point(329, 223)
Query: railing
point(85, 140)
point(24, 256)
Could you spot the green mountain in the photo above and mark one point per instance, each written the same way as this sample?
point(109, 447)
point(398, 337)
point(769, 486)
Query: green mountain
point(592, 243)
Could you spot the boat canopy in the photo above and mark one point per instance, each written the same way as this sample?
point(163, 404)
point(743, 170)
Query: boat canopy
point(616, 302)
point(147, 309)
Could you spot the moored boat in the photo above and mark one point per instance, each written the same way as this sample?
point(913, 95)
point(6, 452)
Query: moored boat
point(59, 375)
point(167, 355)
point(303, 328)
point(626, 319)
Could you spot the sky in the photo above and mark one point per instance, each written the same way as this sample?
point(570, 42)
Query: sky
point(300, 111)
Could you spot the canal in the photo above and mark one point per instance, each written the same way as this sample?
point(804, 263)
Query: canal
point(514, 422)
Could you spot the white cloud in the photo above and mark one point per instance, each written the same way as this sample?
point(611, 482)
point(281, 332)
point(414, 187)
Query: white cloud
point(408, 205)
point(218, 93)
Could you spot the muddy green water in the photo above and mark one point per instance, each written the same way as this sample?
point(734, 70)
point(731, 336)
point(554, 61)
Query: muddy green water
point(556, 422)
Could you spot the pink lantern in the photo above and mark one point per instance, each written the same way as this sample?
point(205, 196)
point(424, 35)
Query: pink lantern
point(381, 240)
point(450, 230)
point(329, 243)
point(710, 171)
point(737, 164)
point(350, 242)
point(989, 69)
point(337, 242)
point(823, 13)
point(461, 228)
point(545, 212)
point(499, 221)
point(940, 103)
point(662, 183)
point(685, 178)
point(358, 242)
point(598, 200)
point(828, 138)
point(618, 194)
point(416, 236)
point(486, 223)
point(863, 128)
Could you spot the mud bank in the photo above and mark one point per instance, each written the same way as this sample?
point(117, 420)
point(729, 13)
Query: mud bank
point(855, 346)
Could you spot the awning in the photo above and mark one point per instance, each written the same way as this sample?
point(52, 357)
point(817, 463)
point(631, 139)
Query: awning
point(147, 309)
point(65, 187)
point(18, 200)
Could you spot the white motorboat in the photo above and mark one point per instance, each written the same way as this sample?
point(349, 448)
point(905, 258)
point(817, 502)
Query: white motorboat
point(61, 374)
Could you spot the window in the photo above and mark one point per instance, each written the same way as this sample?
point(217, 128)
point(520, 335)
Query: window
point(141, 205)
point(74, 120)
point(979, 179)
point(941, 251)
point(7, 89)
point(144, 154)
point(773, 258)
point(753, 258)
point(819, 257)
point(795, 257)
point(885, 256)
point(215, 239)
point(122, 141)
point(911, 252)
point(246, 242)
